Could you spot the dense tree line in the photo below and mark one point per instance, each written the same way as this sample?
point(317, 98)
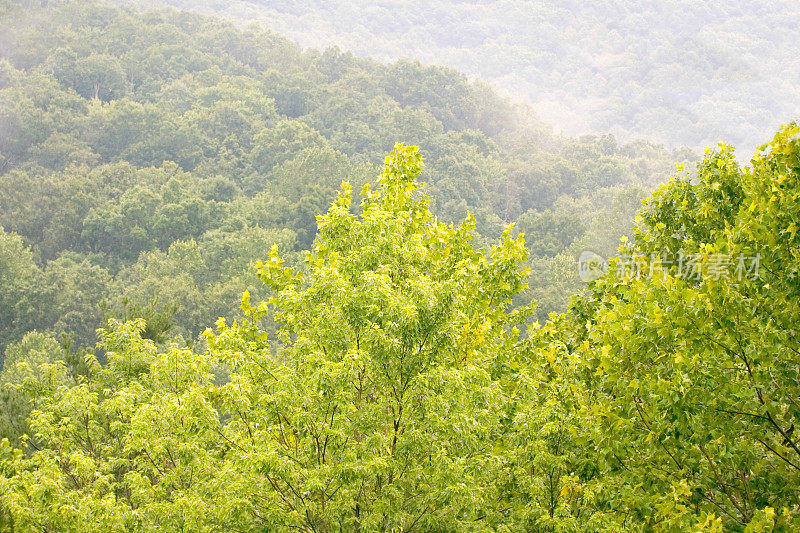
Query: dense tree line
point(147, 158)
point(680, 72)
point(399, 392)
point(385, 363)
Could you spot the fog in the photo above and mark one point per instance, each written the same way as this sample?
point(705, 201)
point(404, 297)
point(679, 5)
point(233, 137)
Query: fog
point(678, 72)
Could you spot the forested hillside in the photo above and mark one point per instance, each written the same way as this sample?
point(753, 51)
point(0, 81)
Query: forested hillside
point(682, 72)
point(247, 287)
point(147, 159)
point(403, 397)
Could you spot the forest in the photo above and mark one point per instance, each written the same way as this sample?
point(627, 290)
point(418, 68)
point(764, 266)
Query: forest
point(251, 286)
point(681, 72)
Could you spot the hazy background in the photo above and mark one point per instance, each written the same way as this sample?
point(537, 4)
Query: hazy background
point(679, 72)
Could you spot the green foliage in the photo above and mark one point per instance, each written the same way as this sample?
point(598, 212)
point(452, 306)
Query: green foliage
point(680, 73)
point(98, 76)
point(33, 368)
point(380, 410)
point(547, 233)
point(124, 132)
point(691, 379)
point(376, 376)
point(385, 384)
point(287, 139)
point(158, 320)
point(18, 275)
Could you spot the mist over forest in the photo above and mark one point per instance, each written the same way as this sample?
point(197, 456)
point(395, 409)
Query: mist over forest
point(677, 72)
point(448, 266)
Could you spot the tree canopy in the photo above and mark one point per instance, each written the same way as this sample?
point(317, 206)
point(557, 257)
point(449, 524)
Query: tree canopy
point(683, 73)
point(404, 361)
point(199, 134)
point(389, 383)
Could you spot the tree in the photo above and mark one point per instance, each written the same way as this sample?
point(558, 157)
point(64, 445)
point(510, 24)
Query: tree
point(22, 125)
point(378, 408)
point(96, 466)
point(18, 276)
point(113, 128)
point(33, 368)
point(60, 150)
point(548, 232)
point(688, 347)
point(273, 146)
point(99, 76)
point(68, 295)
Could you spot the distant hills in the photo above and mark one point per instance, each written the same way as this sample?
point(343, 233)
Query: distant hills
point(678, 72)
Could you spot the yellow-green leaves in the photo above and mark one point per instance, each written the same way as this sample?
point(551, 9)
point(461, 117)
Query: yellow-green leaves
point(699, 371)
